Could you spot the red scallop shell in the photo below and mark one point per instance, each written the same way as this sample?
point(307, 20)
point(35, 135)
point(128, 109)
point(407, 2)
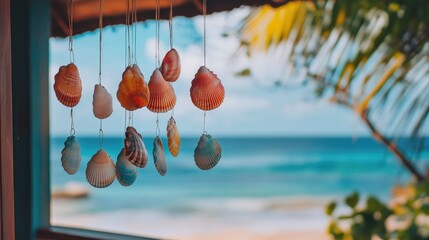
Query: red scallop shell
point(207, 91)
point(162, 96)
point(68, 85)
point(170, 67)
point(133, 92)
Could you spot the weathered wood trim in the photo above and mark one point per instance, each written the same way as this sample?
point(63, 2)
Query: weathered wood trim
point(7, 228)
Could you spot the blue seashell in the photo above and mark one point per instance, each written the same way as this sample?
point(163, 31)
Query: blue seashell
point(126, 172)
point(159, 156)
point(208, 152)
point(70, 155)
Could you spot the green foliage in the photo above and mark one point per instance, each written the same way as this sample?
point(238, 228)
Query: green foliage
point(406, 217)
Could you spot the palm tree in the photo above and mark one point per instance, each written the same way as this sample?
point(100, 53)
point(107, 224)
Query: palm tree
point(371, 56)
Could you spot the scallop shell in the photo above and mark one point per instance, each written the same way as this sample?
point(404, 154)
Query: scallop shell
point(70, 155)
point(68, 86)
point(126, 173)
point(162, 97)
point(159, 156)
point(133, 92)
point(100, 170)
point(207, 91)
point(170, 67)
point(135, 151)
point(173, 137)
point(101, 102)
point(208, 152)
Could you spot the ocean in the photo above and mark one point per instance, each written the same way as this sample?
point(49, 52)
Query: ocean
point(281, 180)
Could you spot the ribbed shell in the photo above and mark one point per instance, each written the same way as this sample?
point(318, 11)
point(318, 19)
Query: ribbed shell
point(100, 170)
point(70, 155)
point(133, 92)
point(207, 91)
point(170, 67)
point(68, 86)
point(173, 137)
point(208, 152)
point(162, 96)
point(101, 102)
point(135, 150)
point(126, 173)
point(159, 156)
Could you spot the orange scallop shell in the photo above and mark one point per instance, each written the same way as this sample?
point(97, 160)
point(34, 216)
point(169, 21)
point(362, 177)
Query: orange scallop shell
point(133, 92)
point(162, 96)
point(173, 137)
point(170, 67)
point(207, 91)
point(68, 86)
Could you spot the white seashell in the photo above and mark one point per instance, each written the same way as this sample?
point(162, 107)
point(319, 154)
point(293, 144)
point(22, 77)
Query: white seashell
point(159, 156)
point(208, 152)
point(101, 102)
point(126, 172)
point(100, 171)
point(70, 156)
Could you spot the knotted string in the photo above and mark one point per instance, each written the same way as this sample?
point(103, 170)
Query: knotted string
point(204, 16)
point(72, 131)
point(70, 23)
point(100, 26)
point(170, 24)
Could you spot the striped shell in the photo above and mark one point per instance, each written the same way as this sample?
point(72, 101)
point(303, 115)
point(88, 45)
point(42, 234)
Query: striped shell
point(173, 137)
point(159, 156)
point(70, 155)
point(68, 86)
point(101, 102)
point(162, 96)
point(126, 173)
point(208, 152)
point(100, 170)
point(207, 91)
point(170, 67)
point(133, 92)
point(135, 151)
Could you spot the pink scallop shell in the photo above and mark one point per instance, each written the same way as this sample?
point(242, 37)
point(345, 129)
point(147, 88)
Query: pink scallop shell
point(100, 170)
point(170, 67)
point(162, 96)
point(68, 85)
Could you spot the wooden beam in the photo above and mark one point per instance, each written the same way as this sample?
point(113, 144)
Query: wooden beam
point(7, 228)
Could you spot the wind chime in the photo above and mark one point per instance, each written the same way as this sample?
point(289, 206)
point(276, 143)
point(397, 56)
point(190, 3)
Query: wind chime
point(133, 93)
point(162, 99)
point(100, 170)
point(170, 70)
point(68, 89)
point(207, 93)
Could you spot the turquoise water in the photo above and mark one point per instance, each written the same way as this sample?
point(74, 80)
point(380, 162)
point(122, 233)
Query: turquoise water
point(250, 168)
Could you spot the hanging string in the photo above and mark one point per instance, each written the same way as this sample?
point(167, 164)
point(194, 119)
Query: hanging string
point(204, 123)
point(125, 120)
point(129, 118)
point(170, 24)
point(204, 16)
point(72, 131)
point(157, 130)
point(127, 22)
point(100, 134)
point(157, 13)
point(70, 22)
point(100, 26)
point(135, 31)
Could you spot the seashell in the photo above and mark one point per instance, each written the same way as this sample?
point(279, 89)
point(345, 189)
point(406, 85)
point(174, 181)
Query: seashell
point(208, 152)
point(70, 155)
point(207, 91)
point(170, 67)
point(159, 156)
point(101, 102)
point(133, 92)
point(68, 86)
point(126, 173)
point(162, 97)
point(173, 137)
point(135, 151)
point(100, 170)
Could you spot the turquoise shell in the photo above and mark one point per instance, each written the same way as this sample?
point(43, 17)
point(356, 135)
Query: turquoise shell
point(159, 156)
point(208, 152)
point(70, 155)
point(126, 172)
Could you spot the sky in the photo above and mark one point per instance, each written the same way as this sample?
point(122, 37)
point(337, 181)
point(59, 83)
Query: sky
point(252, 106)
